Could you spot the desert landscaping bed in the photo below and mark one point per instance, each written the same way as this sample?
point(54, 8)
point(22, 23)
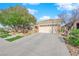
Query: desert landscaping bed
point(72, 42)
point(13, 36)
point(74, 51)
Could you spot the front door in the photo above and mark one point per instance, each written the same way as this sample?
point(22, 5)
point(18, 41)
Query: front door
point(55, 29)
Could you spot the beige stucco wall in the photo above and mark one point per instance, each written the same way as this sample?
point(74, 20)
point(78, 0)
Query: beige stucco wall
point(49, 29)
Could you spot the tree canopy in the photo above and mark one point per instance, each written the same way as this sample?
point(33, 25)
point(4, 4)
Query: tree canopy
point(16, 17)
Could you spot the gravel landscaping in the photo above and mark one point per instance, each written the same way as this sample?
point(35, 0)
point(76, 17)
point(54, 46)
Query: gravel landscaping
point(74, 51)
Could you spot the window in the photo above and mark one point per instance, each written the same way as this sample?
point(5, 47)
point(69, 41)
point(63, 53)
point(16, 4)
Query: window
point(36, 27)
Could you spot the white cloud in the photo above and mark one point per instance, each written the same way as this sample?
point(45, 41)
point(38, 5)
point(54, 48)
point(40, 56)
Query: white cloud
point(30, 3)
point(67, 6)
point(34, 3)
point(56, 17)
point(32, 11)
point(45, 17)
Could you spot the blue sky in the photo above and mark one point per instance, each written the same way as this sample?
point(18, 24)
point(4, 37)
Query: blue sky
point(43, 10)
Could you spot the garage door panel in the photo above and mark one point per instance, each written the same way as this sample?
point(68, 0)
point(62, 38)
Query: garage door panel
point(45, 29)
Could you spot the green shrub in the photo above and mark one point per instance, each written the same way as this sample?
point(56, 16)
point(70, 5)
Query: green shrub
point(73, 37)
point(74, 32)
point(74, 40)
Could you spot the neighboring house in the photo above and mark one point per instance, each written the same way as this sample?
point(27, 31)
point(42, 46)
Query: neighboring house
point(76, 24)
point(70, 25)
point(49, 26)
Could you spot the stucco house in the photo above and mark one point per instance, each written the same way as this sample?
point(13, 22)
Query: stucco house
point(49, 26)
point(74, 24)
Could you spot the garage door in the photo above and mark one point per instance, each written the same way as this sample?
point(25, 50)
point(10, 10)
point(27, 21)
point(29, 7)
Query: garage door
point(45, 29)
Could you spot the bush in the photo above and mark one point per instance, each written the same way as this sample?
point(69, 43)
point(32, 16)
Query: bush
point(74, 32)
point(74, 41)
point(73, 37)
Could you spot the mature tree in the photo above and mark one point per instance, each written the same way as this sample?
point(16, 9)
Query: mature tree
point(69, 17)
point(63, 16)
point(17, 18)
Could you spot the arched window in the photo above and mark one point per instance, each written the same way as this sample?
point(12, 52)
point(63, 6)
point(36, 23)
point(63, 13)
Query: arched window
point(77, 25)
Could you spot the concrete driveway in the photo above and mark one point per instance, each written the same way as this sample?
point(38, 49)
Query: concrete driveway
point(38, 44)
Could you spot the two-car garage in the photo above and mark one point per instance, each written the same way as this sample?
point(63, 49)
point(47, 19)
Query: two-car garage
point(48, 26)
point(45, 29)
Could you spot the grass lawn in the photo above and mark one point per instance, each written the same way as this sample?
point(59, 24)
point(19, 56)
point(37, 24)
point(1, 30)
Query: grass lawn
point(4, 35)
point(14, 38)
